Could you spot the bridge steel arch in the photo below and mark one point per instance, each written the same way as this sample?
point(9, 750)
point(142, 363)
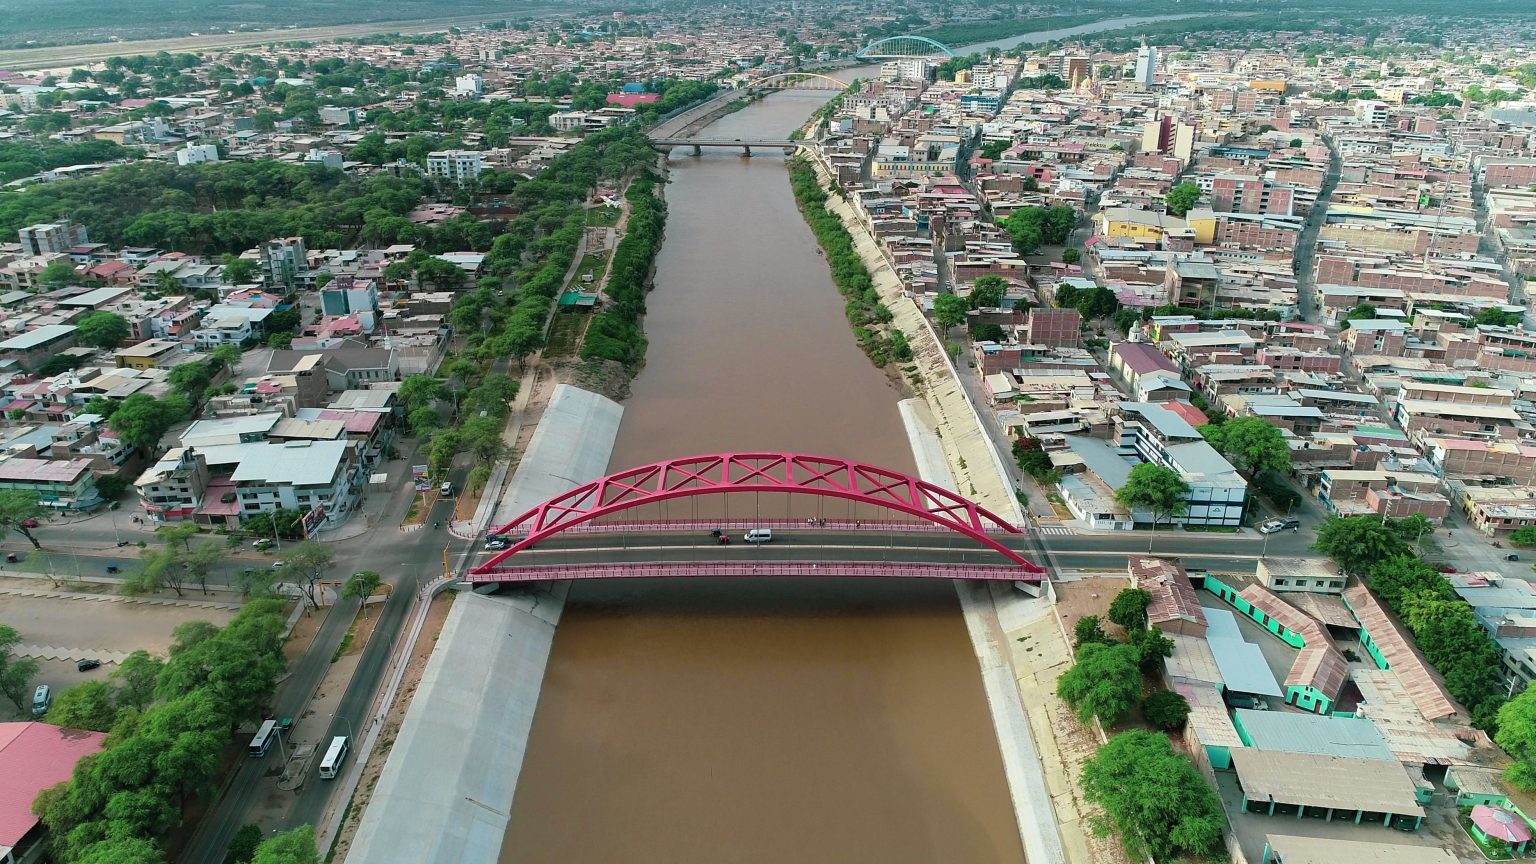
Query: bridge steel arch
point(786, 81)
point(787, 473)
point(892, 47)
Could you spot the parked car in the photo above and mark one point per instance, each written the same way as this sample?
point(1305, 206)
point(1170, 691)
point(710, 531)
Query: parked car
point(759, 535)
point(87, 665)
point(1511, 557)
point(1276, 525)
point(262, 543)
point(496, 543)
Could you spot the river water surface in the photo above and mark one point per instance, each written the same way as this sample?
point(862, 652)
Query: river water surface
point(760, 721)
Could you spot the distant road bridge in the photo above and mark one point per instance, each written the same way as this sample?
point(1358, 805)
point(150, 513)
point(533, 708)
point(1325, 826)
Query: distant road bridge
point(746, 144)
point(575, 543)
point(900, 47)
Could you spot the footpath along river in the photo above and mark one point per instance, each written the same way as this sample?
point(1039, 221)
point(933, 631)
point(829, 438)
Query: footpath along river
point(760, 721)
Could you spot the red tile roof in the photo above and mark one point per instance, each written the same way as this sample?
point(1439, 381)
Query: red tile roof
point(34, 756)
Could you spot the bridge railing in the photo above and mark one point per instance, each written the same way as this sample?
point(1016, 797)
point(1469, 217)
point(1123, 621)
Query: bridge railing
point(644, 526)
point(724, 569)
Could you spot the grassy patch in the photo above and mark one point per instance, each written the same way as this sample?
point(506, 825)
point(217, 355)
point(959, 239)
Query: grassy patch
point(1211, 529)
point(565, 334)
point(603, 217)
point(346, 641)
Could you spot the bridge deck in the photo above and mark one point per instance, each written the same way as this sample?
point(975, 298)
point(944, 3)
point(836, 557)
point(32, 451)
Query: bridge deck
point(726, 142)
point(715, 569)
point(657, 526)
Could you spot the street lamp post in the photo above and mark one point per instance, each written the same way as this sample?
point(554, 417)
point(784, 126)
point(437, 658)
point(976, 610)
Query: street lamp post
point(351, 736)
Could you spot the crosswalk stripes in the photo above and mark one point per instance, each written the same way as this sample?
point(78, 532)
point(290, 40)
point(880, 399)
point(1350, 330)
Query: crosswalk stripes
point(1056, 530)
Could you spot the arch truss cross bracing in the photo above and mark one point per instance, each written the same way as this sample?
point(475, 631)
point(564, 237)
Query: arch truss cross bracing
point(896, 47)
point(785, 473)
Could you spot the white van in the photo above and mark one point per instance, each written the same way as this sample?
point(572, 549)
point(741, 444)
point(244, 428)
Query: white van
point(42, 700)
point(446, 490)
point(759, 535)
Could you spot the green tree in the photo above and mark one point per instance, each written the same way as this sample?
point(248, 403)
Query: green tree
point(200, 561)
point(1129, 609)
point(1361, 312)
point(1496, 317)
point(141, 421)
point(238, 664)
point(1032, 458)
point(122, 850)
point(304, 566)
point(1524, 536)
point(59, 274)
point(1181, 198)
point(1088, 630)
point(135, 678)
point(1153, 798)
point(157, 569)
point(1105, 682)
point(174, 533)
point(949, 310)
point(1166, 710)
point(85, 706)
point(243, 845)
point(1397, 578)
point(1159, 491)
point(1357, 542)
point(21, 510)
point(360, 586)
point(240, 271)
point(102, 330)
point(16, 673)
point(1071, 256)
point(1252, 445)
point(292, 847)
point(1517, 735)
point(1152, 648)
point(1097, 302)
point(987, 292)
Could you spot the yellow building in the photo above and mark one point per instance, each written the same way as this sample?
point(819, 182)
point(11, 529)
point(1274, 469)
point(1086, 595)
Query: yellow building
point(1273, 85)
point(1144, 225)
point(1203, 223)
point(149, 354)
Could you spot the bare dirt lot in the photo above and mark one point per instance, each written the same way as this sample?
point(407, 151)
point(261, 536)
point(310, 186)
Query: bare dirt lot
point(100, 629)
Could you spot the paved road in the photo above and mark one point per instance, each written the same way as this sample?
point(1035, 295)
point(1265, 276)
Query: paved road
point(405, 560)
point(1306, 244)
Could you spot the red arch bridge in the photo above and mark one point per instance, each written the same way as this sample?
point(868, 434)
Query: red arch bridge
point(920, 544)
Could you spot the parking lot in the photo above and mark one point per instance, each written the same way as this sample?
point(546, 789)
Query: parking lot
point(61, 627)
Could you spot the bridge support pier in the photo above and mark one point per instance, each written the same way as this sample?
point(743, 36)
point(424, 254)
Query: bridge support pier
point(746, 152)
point(697, 150)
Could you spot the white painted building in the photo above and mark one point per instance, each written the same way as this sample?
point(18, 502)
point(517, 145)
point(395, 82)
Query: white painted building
point(197, 154)
point(455, 165)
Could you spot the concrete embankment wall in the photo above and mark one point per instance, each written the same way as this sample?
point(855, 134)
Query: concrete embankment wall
point(1033, 812)
point(446, 792)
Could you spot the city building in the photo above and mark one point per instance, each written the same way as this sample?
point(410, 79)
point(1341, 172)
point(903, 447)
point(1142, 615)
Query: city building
point(455, 166)
point(51, 237)
point(1146, 65)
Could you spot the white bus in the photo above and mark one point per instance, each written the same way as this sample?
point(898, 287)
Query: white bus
point(263, 740)
point(334, 756)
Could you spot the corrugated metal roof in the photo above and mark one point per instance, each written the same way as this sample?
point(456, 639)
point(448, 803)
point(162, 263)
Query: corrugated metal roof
point(1318, 665)
point(1289, 849)
point(1423, 682)
point(34, 756)
point(1356, 737)
point(1173, 597)
point(1339, 782)
point(1242, 664)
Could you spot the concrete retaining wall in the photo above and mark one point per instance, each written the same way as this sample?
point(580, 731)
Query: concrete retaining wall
point(446, 792)
point(1035, 816)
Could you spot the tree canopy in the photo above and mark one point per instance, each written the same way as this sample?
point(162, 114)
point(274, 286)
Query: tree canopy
point(1357, 542)
point(987, 292)
point(1153, 798)
point(1129, 609)
point(1159, 491)
point(1033, 227)
point(1250, 444)
point(1104, 683)
point(102, 330)
point(1181, 198)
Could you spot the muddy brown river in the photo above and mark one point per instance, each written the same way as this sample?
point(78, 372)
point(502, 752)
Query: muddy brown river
point(758, 721)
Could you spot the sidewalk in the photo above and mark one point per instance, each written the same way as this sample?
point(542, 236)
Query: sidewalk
point(372, 510)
